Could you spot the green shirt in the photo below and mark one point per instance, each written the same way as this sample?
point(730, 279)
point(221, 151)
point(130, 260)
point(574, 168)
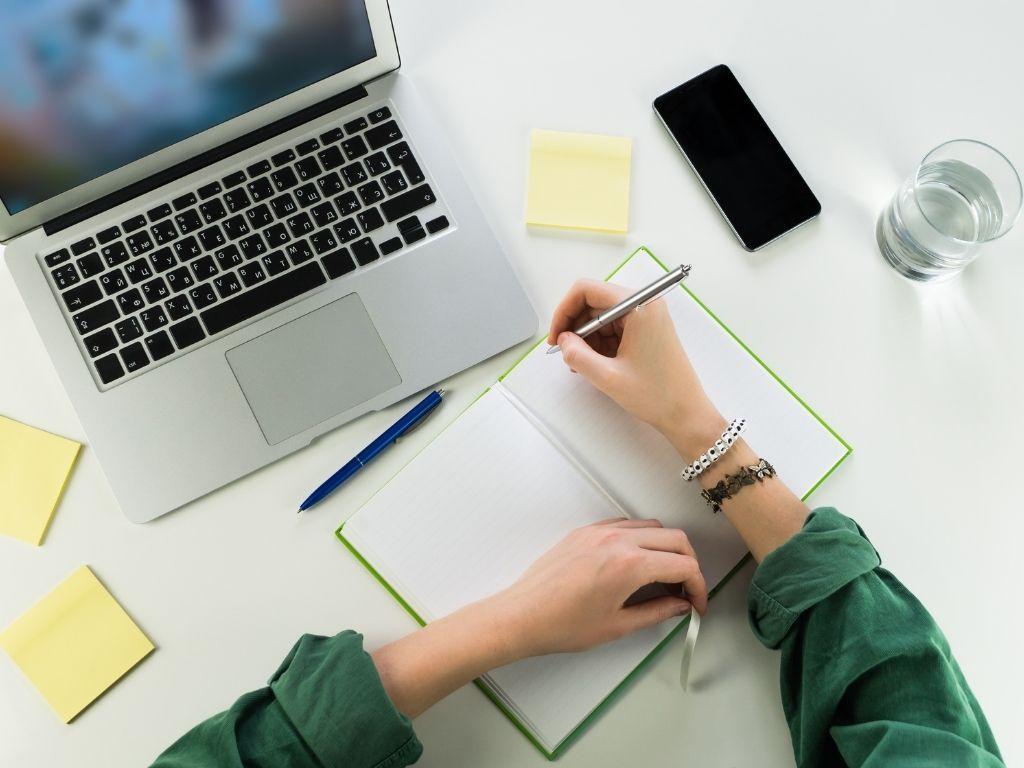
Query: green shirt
point(867, 678)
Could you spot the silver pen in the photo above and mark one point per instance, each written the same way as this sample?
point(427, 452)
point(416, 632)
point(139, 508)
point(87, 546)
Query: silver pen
point(652, 292)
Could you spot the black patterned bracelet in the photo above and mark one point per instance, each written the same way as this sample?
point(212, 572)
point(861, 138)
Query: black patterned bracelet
point(730, 485)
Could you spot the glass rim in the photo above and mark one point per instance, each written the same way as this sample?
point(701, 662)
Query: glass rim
point(1020, 189)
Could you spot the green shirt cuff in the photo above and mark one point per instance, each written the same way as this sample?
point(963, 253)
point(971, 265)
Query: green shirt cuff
point(330, 690)
point(827, 554)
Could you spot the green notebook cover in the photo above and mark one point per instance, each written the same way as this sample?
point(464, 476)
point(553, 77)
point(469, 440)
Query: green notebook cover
point(618, 690)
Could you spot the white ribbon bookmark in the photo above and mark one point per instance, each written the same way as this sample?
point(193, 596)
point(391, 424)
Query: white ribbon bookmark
point(688, 645)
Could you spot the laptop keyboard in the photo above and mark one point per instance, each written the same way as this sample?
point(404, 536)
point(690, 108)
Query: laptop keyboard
point(160, 284)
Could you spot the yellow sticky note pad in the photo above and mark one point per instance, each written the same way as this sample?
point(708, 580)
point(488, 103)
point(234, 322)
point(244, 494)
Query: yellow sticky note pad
point(579, 180)
point(75, 643)
point(34, 466)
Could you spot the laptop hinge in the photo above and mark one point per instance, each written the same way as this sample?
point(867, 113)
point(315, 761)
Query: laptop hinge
point(203, 160)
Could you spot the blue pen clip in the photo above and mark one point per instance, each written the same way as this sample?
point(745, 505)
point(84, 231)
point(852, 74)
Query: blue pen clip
point(419, 422)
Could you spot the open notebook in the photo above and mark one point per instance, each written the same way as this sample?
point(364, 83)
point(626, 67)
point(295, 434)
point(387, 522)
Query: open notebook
point(542, 453)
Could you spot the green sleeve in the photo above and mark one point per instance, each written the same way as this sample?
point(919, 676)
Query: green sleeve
point(325, 707)
point(867, 677)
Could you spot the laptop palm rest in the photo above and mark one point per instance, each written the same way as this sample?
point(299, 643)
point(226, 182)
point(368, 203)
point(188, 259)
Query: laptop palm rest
point(315, 367)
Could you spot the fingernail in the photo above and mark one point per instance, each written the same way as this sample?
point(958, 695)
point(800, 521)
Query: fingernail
point(683, 608)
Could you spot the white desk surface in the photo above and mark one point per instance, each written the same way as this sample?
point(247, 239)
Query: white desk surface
point(924, 383)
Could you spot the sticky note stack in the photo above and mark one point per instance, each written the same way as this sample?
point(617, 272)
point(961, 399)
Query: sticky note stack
point(34, 466)
point(579, 181)
point(75, 643)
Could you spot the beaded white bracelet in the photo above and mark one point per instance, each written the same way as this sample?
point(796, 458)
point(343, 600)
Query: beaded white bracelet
point(716, 451)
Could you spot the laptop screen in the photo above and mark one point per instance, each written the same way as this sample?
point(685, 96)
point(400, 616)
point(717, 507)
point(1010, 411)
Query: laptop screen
point(87, 86)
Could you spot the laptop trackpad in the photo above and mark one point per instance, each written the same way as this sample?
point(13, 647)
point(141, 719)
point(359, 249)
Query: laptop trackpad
point(313, 368)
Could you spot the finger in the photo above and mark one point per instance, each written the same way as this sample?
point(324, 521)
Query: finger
point(652, 612)
point(664, 540)
point(585, 360)
point(624, 522)
point(673, 568)
point(584, 295)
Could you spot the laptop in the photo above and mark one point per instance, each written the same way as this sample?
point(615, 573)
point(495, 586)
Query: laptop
point(236, 227)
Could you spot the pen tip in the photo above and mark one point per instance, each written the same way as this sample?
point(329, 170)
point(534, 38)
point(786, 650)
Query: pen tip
point(552, 350)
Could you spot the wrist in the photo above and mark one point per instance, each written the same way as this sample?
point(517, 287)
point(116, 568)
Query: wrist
point(693, 433)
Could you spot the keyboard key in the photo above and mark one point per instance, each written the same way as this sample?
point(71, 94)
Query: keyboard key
point(251, 274)
point(310, 145)
point(140, 243)
point(188, 221)
point(235, 227)
point(353, 174)
point(252, 246)
point(371, 193)
point(298, 252)
point(261, 189)
point(57, 257)
point(185, 201)
point(134, 357)
point(100, 342)
point(370, 220)
point(211, 238)
point(324, 214)
point(160, 212)
point(204, 268)
point(402, 205)
point(394, 183)
point(109, 368)
point(202, 296)
point(227, 285)
point(82, 295)
point(130, 301)
point(138, 270)
point(377, 163)
point(233, 179)
point(282, 158)
point(323, 241)
point(331, 136)
point(66, 276)
point(411, 223)
point(164, 232)
point(155, 290)
point(259, 216)
point(413, 171)
point(399, 154)
point(390, 246)
point(284, 205)
point(413, 235)
point(91, 264)
point(114, 254)
point(380, 114)
point(95, 317)
point(276, 236)
point(307, 168)
point(153, 318)
point(355, 125)
point(264, 296)
point(258, 169)
point(307, 195)
point(82, 246)
point(338, 263)
point(179, 279)
point(128, 329)
point(178, 307)
point(159, 345)
point(354, 148)
point(284, 179)
point(162, 259)
point(187, 249)
point(209, 190)
point(212, 210)
point(348, 203)
point(383, 134)
point(346, 230)
point(237, 200)
point(331, 157)
point(275, 263)
point(228, 258)
point(187, 332)
point(300, 225)
point(111, 233)
point(113, 282)
point(330, 184)
point(365, 251)
point(134, 223)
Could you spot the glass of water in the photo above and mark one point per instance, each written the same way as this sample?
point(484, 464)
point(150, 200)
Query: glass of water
point(964, 193)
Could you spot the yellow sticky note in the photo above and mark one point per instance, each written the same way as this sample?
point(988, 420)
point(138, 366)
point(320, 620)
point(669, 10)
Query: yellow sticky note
point(34, 466)
point(75, 643)
point(579, 180)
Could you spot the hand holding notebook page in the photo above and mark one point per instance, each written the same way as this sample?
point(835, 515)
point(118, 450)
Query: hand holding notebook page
point(546, 453)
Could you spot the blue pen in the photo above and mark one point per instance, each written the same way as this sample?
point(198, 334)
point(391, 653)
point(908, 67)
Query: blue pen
point(402, 427)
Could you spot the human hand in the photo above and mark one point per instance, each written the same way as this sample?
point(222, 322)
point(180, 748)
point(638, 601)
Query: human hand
point(639, 363)
point(572, 598)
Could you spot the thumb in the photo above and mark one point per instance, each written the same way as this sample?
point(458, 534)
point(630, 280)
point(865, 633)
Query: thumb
point(653, 612)
point(584, 359)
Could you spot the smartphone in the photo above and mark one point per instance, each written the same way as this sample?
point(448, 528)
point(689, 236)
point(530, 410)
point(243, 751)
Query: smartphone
point(737, 158)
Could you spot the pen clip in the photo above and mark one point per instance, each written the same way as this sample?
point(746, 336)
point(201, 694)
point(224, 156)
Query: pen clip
point(657, 296)
point(419, 422)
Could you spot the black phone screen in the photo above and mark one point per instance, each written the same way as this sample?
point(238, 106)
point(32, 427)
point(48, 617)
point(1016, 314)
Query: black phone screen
point(737, 157)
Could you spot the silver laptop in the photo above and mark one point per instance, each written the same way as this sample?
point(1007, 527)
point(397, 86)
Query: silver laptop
point(236, 227)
